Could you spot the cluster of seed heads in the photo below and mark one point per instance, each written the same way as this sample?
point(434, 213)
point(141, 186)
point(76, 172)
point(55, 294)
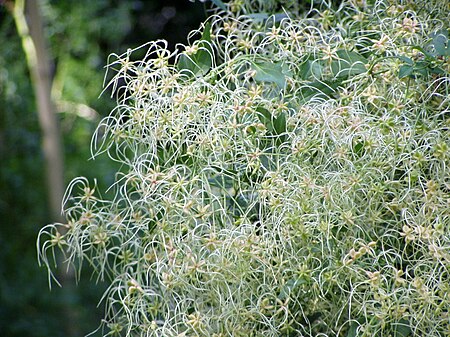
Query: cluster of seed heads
point(280, 176)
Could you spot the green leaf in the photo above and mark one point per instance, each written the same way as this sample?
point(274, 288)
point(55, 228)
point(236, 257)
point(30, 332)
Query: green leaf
point(441, 42)
point(318, 89)
point(275, 125)
point(206, 35)
point(222, 181)
point(279, 123)
point(352, 331)
point(428, 55)
point(265, 117)
point(258, 16)
point(265, 16)
point(291, 287)
point(406, 59)
point(405, 71)
point(350, 63)
point(437, 70)
point(219, 4)
point(186, 62)
point(422, 68)
point(269, 72)
point(358, 147)
point(204, 61)
point(311, 69)
point(201, 61)
point(401, 329)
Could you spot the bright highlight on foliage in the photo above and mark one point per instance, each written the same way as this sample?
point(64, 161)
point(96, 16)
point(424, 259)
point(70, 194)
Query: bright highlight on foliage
point(284, 174)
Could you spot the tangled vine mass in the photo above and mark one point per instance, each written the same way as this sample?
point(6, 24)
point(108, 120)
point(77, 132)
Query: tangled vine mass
point(285, 173)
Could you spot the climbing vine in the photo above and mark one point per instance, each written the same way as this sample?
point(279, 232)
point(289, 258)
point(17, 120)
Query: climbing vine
point(283, 174)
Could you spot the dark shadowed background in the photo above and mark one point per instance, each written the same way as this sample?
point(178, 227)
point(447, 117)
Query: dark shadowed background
point(79, 36)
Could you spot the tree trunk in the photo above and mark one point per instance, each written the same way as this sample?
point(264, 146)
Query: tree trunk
point(30, 29)
point(29, 25)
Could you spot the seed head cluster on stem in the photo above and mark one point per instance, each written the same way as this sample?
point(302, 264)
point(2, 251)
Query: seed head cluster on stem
point(282, 175)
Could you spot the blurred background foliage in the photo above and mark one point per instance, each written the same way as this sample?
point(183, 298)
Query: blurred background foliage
point(80, 36)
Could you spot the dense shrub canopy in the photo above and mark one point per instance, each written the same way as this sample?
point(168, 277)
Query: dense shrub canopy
point(283, 175)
